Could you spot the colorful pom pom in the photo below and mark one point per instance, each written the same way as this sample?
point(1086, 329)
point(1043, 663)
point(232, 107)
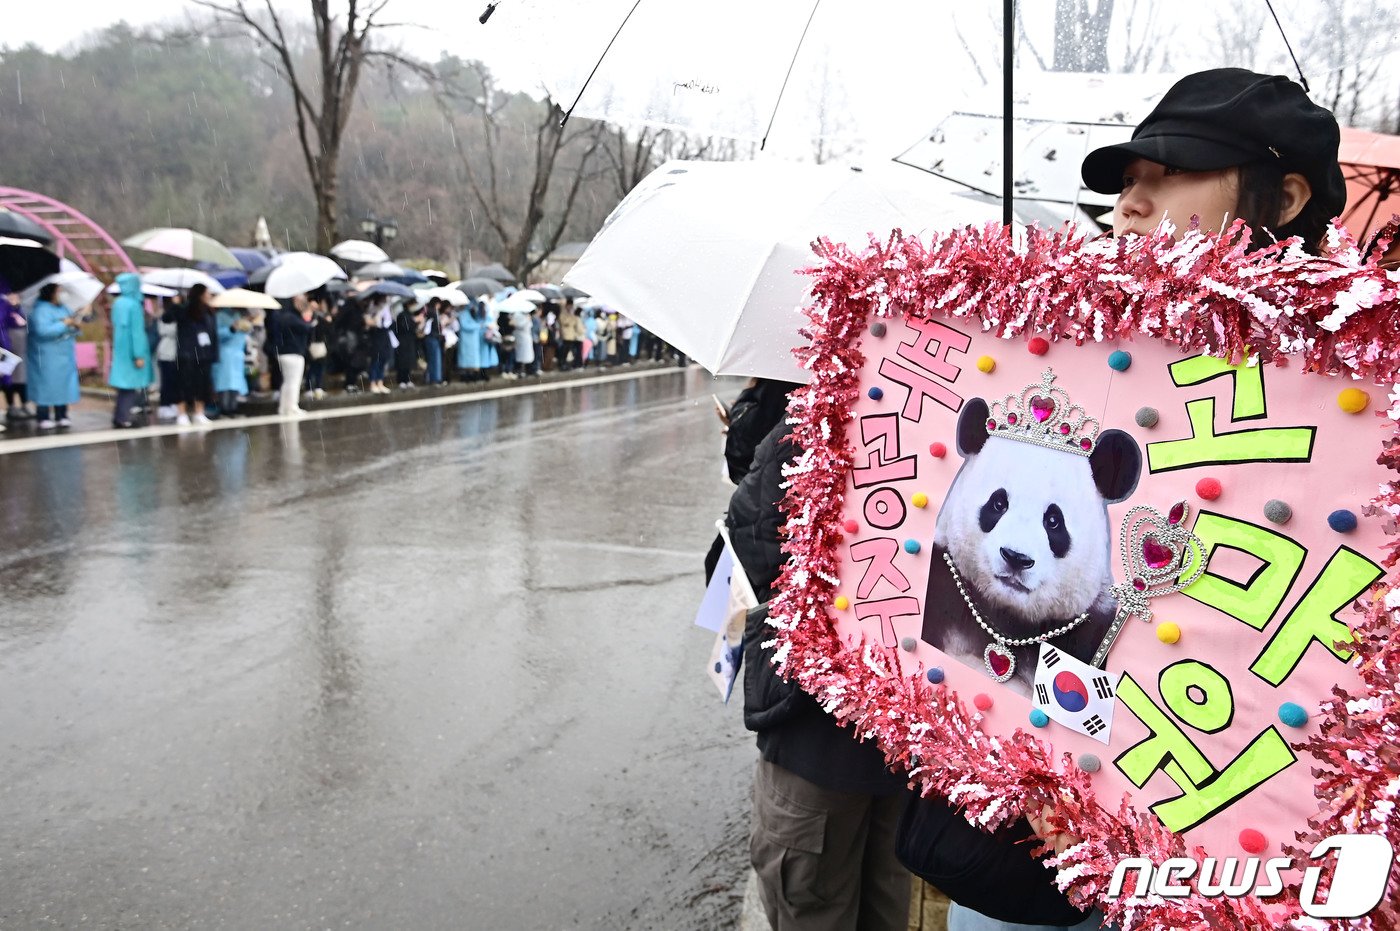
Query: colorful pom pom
point(1146, 417)
point(1342, 520)
point(1089, 763)
point(1039, 718)
point(1120, 361)
point(876, 392)
point(1252, 841)
point(842, 602)
point(1278, 511)
point(935, 674)
point(919, 499)
point(1167, 632)
point(911, 546)
point(986, 364)
point(908, 644)
point(877, 329)
point(937, 450)
point(1209, 488)
point(1292, 714)
point(850, 526)
point(1038, 345)
point(982, 701)
point(1353, 400)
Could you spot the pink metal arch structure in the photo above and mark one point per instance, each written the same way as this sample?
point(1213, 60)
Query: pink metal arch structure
point(75, 236)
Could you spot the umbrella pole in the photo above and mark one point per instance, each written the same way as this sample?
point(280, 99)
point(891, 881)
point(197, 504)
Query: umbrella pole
point(787, 77)
point(570, 112)
point(1008, 53)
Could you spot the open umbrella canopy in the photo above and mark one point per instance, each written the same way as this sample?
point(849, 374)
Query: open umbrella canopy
point(436, 275)
point(181, 279)
point(452, 296)
point(147, 289)
point(76, 289)
point(243, 299)
point(250, 259)
point(496, 272)
point(532, 295)
point(23, 262)
point(390, 289)
point(300, 272)
point(382, 268)
point(550, 292)
point(478, 287)
point(575, 294)
point(18, 226)
point(358, 250)
point(183, 244)
point(706, 254)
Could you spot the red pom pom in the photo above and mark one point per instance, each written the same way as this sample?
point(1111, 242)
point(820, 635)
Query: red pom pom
point(1252, 841)
point(850, 526)
point(937, 450)
point(1209, 488)
point(1038, 346)
point(983, 701)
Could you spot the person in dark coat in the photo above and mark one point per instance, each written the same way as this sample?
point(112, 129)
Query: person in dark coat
point(406, 353)
point(292, 326)
point(196, 351)
point(825, 805)
point(350, 343)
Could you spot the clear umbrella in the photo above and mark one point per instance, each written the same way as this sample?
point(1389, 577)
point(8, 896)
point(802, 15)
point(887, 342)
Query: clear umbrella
point(184, 244)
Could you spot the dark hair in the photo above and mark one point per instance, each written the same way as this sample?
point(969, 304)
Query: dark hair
point(195, 302)
point(1261, 202)
point(48, 292)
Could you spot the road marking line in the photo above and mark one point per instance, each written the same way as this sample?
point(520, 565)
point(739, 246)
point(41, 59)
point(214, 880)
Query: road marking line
point(93, 437)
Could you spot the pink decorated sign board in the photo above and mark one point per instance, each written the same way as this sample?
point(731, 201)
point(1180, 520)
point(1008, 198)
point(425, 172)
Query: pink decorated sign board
point(1087, 526)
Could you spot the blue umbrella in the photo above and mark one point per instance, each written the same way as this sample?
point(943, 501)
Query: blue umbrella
point(409, 276)
point(250, 259)
point(389, 289)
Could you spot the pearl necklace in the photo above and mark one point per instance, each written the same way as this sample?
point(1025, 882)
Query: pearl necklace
point(1000, 661)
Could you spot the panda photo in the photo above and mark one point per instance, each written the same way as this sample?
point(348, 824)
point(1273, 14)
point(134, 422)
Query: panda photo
point(1027, 530)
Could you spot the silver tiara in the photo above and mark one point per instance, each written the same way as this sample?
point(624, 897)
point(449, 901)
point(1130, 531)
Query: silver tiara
point(1044, 415)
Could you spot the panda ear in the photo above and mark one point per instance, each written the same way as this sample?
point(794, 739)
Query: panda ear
point(972, 427)
point(1116, 463)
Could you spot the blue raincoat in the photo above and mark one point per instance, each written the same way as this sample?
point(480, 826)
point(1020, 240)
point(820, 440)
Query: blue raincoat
point(469, 342)
point(490, 357)
point(52, 356)
point(129, 340)
point(228, 373)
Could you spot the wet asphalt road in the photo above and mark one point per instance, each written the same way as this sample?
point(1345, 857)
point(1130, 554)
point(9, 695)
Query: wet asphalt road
point(417, 669)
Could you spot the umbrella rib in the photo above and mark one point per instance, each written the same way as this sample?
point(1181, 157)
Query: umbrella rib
point(598, 64)
point(795, 52)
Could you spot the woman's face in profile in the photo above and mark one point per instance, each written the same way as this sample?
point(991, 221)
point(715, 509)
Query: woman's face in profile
point(1153, 192)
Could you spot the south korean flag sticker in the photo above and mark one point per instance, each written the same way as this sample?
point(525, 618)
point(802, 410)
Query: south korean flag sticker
point(1077, 695)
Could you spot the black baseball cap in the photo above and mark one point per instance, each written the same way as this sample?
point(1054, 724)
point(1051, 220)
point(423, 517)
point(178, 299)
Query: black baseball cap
point(1227, 117)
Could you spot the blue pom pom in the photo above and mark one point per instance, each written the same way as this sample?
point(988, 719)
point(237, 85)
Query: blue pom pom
point(1039, 718)
point(1292, 714)
point(1119, 360)
point(911, 546)
point(876, 394)
point(935, 674)
point(1342, 520)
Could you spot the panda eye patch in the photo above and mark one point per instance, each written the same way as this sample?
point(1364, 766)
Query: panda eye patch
point(1056, 533)
point(996, 505)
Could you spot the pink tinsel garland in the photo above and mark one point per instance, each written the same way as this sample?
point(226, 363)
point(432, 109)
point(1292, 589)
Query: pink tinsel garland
point(1335, 313)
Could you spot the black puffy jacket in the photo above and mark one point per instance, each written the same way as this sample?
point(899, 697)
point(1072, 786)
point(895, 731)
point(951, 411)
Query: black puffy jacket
point(793, 731)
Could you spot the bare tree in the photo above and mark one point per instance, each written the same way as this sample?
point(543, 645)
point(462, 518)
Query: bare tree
point(1081, 35)
point(630, 156)
point(528, 231)
point(1146, 46)
point(324, 97)
point(830, 137)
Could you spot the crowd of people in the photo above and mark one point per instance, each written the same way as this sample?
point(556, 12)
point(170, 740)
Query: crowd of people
point(184, 360)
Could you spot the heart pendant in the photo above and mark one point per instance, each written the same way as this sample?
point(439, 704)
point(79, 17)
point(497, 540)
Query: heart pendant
point(1000, 662)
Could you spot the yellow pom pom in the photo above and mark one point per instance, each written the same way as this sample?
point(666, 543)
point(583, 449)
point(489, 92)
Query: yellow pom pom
point(842, 603)
point(920, 500)
point(1168, 632)
point(986, 364)
point(1353, 400)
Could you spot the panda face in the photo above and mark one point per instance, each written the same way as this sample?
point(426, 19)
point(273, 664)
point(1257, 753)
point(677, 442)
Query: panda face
point(1029, 529)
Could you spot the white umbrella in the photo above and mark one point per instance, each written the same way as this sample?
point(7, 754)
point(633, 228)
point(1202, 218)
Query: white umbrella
point(706, 254)
point(381, 269)
point(451, 295)
point(299, 272)
point(358, 250)
point(181, 279)
point(76, 289)
point(514, 304)
point(184, 244)
point(147, 290)
point(530, 294)
point(243, 299)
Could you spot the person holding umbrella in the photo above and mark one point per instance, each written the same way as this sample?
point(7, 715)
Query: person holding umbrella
point(132, 371)
point(293, 337)
point(406, 328)
point(14, 338)
point(196, 351)
point(52, 359)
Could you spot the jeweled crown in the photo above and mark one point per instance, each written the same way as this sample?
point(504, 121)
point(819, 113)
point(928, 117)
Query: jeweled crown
point(1044, 415)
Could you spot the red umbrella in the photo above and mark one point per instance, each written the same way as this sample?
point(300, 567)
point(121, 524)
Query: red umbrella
point(1371, 166)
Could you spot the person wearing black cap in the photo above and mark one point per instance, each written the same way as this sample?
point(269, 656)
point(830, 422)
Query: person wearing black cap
point(1222, 145)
